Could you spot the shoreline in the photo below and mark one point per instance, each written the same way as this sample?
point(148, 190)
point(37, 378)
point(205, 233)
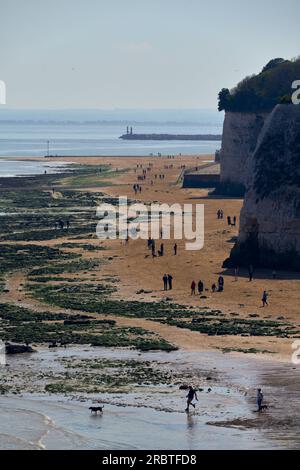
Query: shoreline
point(135, 299)
point(120, 183)
point(228, 406)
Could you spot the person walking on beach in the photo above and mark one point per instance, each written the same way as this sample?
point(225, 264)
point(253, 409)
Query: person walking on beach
point(193, 288)
point(153, 248)
point(250, 271)
point(259, 399)
point(228, 220)
point(165, 281)
point(234, 220)
point(175, 249)
point(265, 299)
point(200, 287)
point(236, 273)
point(221, 284)
point(170, 281)
point(190, 397)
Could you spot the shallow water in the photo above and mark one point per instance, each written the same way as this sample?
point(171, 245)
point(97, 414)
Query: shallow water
point(59, 424)
point(10, 167)
point(155, 418)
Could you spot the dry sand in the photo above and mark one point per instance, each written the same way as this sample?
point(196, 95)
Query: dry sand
point(136, 270)
point(278, 427)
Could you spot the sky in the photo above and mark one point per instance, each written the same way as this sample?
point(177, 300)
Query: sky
point(167, 54)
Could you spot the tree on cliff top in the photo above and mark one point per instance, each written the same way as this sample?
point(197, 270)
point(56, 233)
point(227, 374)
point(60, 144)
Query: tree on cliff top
point(272, 64)
point(262, 92)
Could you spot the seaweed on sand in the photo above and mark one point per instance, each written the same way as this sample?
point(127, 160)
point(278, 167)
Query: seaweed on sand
point(26, 256)
point(21, 325)
point(242, 327)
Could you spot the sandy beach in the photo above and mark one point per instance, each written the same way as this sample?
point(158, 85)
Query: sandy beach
point(241, 296)
point(239, 362)
point(150, 232)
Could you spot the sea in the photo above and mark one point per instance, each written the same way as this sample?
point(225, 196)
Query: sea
point(78, 133)
point(153, 417)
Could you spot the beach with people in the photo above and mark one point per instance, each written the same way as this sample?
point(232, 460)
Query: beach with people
point(113, 321)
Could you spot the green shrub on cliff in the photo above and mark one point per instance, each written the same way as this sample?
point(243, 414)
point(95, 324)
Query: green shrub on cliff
point(262, 92)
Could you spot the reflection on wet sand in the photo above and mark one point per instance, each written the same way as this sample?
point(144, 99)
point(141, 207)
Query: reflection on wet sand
point(153, 416)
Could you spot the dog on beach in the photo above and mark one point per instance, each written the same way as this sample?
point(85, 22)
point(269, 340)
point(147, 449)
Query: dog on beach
point(95, 409)
point(264, 408)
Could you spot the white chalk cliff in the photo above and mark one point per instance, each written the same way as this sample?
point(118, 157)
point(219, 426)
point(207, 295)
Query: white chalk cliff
point(240, 134)
point(270, 217)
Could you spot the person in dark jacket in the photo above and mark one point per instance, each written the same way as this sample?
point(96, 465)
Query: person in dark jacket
point(170, 281)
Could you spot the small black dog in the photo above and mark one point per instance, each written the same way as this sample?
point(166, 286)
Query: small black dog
point(95, 409)
point(264, 407)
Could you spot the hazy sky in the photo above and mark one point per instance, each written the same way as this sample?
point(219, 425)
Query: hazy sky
point(138, 53)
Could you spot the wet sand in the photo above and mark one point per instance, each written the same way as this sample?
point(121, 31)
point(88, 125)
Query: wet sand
point(136, 271)
point(154, 417)
point(59, 422)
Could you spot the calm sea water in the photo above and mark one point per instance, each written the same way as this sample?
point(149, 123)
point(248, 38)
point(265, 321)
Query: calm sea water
point(29, 139)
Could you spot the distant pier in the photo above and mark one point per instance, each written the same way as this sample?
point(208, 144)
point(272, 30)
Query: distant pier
point(129, 135)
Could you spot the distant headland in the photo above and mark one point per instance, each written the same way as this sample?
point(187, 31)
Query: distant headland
point(130, 135)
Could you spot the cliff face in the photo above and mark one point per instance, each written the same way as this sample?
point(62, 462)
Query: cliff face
point(240, 134)
point(270, 218)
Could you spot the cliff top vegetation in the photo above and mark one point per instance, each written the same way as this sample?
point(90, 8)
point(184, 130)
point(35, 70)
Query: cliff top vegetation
point(262, 92)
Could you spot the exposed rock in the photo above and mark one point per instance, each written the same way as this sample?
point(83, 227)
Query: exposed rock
point(270, 218)
point(240, 134)
point(183, 387)
point(77, 322)
point(18, 348)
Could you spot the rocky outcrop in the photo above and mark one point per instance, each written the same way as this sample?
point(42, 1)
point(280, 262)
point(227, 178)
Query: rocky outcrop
point(270, 218)
point(240, 134)
point(18, 348)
